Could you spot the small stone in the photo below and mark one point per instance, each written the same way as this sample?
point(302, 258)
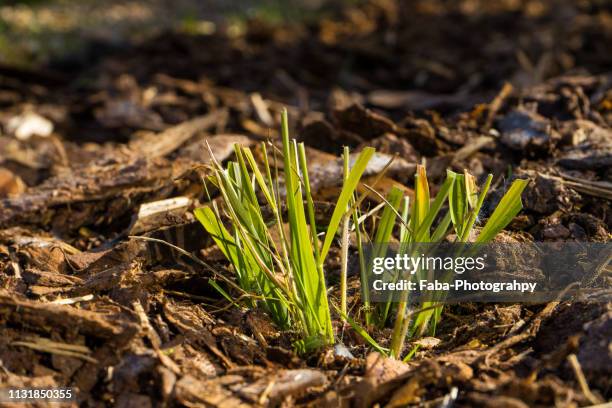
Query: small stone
point(29, 124)
point(340, 350)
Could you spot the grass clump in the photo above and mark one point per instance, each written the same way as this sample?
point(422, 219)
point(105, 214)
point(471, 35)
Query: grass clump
point(284, 271)
point(416, 226)
point(286, 274)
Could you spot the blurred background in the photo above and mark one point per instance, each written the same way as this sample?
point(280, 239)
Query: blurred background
point(406, 58)
point(39, 31)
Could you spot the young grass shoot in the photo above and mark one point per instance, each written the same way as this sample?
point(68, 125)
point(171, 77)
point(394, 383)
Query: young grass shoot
point(288, 273)
point(280, 261)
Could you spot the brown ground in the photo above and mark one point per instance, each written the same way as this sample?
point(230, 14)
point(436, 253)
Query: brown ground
point(516, 88)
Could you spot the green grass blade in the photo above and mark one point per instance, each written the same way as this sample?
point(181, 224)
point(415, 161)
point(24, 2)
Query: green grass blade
point(405, 219)
point(227, 244)
point(222, 292)
point(471, 189)
point(315, 274)
point(363, 333)
point(411, 353)
point(387, 219)
point(420, 206)
point(307, 274)
point(509, 206)
point(345, 196)
point(442, 228)
point(479, 200)
point(423, 231)
point(309, 201)
point(344, 241)
point(218, 232)
point(382, 238)
point(264, 187)
point(458, 204)
point(363, 272)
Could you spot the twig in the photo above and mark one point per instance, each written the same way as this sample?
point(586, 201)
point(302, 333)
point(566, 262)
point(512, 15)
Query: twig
point(62, 349)
point(73, 300)
point(595, 188)
point(264, 395)
point(496, 104)
point(584, 386)
point(261, 109)
point(146, 325)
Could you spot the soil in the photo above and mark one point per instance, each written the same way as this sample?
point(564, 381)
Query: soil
point(95, 158)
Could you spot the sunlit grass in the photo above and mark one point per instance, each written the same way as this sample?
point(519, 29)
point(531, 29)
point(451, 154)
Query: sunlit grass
point(288, 272)
point(286, 275)
point(416, 226)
